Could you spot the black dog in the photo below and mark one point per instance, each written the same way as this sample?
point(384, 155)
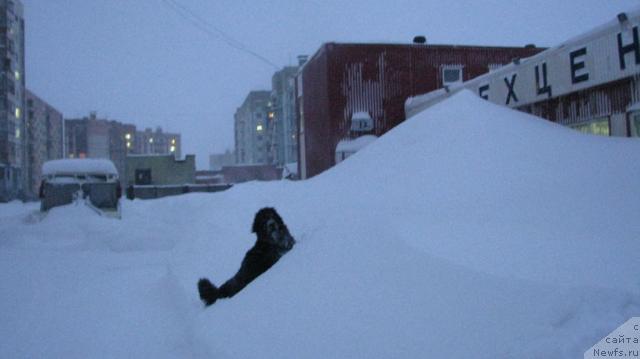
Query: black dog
point(273, 242)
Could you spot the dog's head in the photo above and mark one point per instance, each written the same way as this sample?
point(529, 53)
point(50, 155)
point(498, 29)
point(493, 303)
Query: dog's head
point(270, 228)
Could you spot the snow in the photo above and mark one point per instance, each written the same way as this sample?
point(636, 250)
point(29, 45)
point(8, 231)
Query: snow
point(289, 169)
point(488, 233)
point(356, 144)
point(634, 107)
point(78, 166)
point(361, 115)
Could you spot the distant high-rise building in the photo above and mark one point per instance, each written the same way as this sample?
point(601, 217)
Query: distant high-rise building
point(281, 124)
point(217, 161)
point(120, 143)
point(251, 136)
point(44, 138)
point(91, 137)
point(149, 142)
point(13, 156)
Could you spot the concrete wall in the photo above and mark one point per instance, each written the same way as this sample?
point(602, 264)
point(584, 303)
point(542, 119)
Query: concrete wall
point(165, 169)
point(152, 192)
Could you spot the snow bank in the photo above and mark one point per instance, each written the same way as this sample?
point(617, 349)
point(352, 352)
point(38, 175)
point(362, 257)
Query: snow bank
point(356, 144)
point(486, 233)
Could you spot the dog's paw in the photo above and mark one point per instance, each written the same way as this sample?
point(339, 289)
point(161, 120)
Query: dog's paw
point(208, 291)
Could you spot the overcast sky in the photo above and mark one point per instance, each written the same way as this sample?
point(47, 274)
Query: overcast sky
point(140, 62)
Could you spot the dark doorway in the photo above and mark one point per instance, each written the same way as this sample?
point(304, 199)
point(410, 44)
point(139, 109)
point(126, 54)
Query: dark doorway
point(143, 177)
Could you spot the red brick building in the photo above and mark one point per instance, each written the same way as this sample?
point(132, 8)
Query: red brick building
point(341, 80)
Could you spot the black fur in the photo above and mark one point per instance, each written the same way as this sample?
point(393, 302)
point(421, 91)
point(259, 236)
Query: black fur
point(273, 241)
point(208, 291)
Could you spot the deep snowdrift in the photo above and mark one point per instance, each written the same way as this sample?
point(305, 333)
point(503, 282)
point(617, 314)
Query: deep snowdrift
point(468, 231)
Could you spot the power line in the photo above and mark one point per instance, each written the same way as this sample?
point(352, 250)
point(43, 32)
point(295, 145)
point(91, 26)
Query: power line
point(217, 33)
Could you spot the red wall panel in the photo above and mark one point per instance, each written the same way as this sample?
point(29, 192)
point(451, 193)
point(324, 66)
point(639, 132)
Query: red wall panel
point(342, 79)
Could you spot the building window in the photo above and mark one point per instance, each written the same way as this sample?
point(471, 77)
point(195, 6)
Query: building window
point(451, 74)
point(259, 127)
point(634, 124)
point(598, 126)
point(493, 66)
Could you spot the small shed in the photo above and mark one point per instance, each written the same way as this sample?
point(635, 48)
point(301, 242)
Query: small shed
point(94, 179)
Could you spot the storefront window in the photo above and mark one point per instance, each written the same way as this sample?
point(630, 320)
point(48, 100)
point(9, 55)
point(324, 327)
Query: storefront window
point(598, 126)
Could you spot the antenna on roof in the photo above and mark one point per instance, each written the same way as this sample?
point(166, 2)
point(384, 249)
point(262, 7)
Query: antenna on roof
point(622, 17)
point(419, 40)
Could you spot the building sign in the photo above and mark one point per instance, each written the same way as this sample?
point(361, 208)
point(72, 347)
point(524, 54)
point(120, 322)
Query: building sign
point(607, 54)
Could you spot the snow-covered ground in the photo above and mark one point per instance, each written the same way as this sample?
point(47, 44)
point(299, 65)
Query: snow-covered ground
point(469, 231)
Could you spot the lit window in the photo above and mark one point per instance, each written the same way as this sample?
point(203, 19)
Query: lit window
point(173, 141)
point(17, 133)
point(271, 115)
point(151, 140)
point(18, 112)
point(128, 144)
point(127, 136)
point(259, 128)
point(172, 149)
point(598, 126)
point(17, 74)
point(71, 155)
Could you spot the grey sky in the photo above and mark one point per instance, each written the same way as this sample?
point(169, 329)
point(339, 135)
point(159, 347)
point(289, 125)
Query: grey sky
point(139, 62)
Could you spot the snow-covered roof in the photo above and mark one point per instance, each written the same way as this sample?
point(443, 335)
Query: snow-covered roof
point(355, 145)
point(290, 169)
point(634, 107)
point(361, 115)
point(76, 166)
